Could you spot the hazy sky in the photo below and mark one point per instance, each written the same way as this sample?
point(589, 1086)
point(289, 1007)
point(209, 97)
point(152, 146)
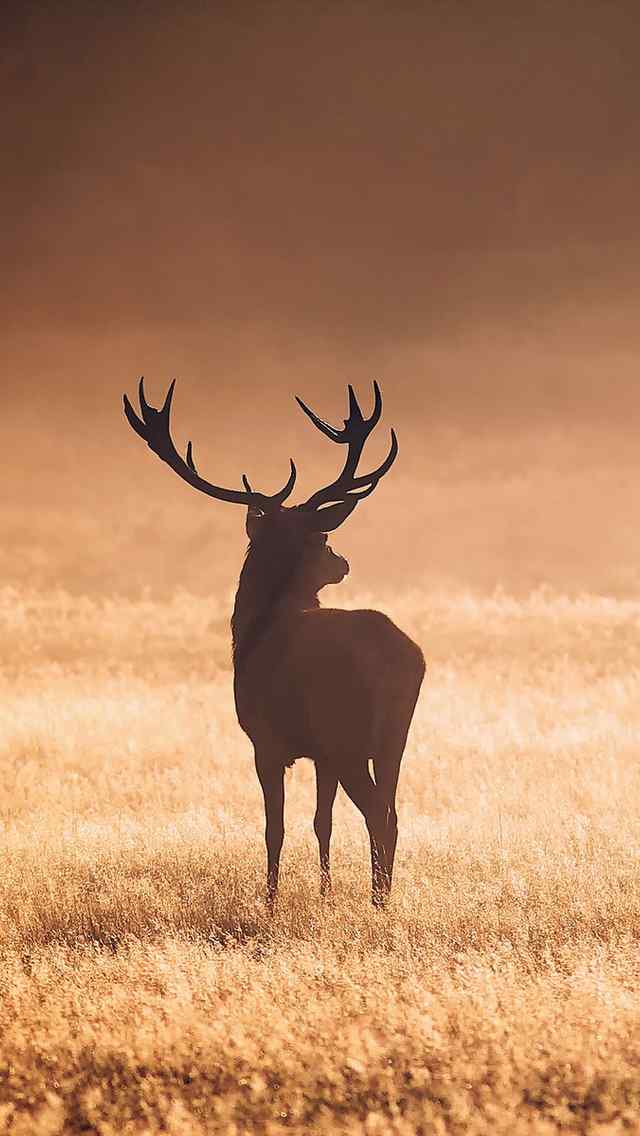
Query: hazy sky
point(277, 198)
point(359, 169)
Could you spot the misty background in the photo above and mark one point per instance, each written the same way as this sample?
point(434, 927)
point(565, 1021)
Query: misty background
point(269, 199)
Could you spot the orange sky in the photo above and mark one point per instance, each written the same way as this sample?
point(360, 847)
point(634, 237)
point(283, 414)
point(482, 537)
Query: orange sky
point(269, 199)
point(378, 171)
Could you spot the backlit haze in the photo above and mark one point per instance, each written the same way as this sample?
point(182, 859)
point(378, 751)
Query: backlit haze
point(276, 199)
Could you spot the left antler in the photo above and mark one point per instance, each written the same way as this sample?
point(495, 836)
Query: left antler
point(155, 428)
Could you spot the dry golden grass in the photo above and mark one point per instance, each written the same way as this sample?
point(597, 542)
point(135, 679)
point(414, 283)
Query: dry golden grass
point(144, 989)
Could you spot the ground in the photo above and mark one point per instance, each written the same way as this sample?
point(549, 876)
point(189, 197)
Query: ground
point(145, 988)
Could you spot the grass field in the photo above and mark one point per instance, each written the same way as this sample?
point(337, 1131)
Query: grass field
point(144, 988)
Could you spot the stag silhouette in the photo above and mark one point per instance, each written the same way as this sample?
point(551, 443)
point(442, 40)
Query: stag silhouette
point(339, 687)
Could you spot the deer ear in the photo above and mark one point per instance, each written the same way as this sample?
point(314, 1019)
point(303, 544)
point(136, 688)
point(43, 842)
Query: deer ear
point(328, 519)
point(254, 520)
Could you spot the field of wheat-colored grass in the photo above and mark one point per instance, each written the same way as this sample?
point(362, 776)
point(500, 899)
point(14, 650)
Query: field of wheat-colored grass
point(144, 987)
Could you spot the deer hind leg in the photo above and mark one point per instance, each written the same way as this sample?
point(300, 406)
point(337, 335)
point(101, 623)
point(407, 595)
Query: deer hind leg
point(360, 787)
point(387, 770)
point(271, 778)
point(326, 787)
point(386, 763)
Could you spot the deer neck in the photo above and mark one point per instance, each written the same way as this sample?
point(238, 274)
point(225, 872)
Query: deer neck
point(263, 598)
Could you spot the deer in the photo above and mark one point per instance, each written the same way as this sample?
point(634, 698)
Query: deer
point(334, 685)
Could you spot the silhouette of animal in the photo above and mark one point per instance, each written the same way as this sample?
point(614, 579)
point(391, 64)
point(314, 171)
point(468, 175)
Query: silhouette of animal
point(339, 687)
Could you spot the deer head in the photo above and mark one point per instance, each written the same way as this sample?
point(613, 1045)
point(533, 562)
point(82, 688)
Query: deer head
point(300, 529)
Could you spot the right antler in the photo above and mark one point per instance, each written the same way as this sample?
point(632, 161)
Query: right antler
point(348, 487)
point(154, 428)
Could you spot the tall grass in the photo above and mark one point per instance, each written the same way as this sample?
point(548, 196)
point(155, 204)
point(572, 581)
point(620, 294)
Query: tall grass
point(144, 988)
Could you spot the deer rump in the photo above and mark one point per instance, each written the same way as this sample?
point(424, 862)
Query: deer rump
point(329, 685)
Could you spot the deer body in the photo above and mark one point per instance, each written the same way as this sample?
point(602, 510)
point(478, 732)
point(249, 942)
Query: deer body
point(336, 686)
point(335, 678)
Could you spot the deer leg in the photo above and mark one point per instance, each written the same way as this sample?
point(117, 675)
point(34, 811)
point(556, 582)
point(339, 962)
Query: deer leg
point(386, 774)
point(360, 787)
point(271, 778)
point(326, 787)
point(386, 763)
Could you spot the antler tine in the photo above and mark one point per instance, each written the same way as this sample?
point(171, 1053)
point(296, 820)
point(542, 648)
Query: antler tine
point(148, 411)
point(356, 430)
point(323, 426)
point(155, 428)
point(354, 424)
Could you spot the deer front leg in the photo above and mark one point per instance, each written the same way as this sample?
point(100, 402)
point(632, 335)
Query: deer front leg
point(326, 786)
point(271, 777)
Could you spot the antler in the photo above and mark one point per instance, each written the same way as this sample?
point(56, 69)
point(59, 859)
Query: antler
point(154, 428)
point(348, 487)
